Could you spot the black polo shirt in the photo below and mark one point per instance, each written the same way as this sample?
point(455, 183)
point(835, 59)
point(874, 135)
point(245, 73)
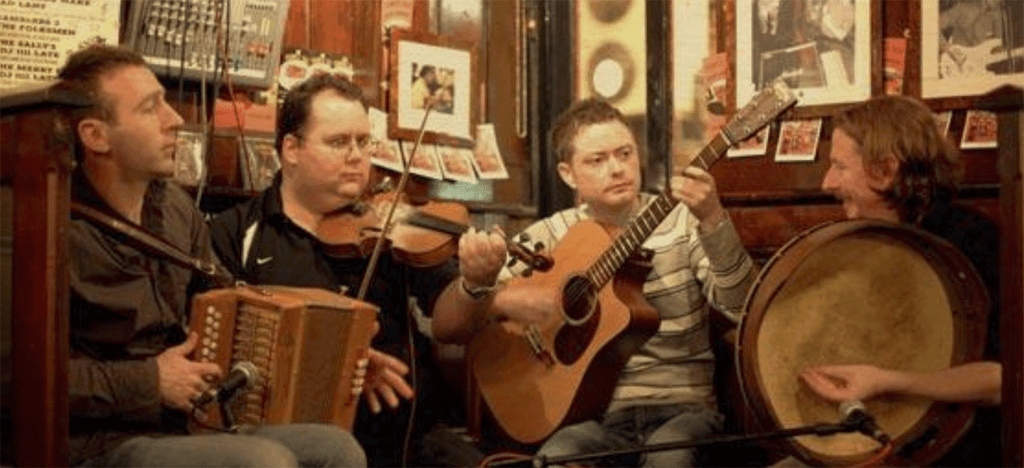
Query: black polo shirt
point(282, 253)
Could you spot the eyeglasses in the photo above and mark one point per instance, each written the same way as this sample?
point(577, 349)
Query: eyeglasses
point(342, 144)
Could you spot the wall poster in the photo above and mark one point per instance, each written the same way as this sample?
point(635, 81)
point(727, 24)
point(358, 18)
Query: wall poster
point(36, 36)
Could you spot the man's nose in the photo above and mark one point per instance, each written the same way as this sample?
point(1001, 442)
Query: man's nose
point(173, 119)
point(828, 183)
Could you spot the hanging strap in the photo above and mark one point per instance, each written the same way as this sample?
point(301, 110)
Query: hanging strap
point(210, 270)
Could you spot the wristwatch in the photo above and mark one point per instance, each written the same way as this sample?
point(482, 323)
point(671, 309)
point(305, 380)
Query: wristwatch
point(476, 292)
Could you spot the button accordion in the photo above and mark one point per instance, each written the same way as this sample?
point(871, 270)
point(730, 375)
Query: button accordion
point(306, 344)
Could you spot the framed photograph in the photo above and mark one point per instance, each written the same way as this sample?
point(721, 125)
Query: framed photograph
point(981, 130)
point(261, 162)
point(970, 47)
point(428, 71)
point(188, 158)
point(822, 49)
point(756, 145)
point(798, 140)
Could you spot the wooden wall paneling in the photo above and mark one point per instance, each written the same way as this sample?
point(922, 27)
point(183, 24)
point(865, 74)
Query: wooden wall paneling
point(331, 26)
point(296, 27)
point(1008, 103)
point(504, 94)
point(41, 183)
point(366, 50)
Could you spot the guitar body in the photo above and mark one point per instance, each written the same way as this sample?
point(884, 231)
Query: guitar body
point(532, 394)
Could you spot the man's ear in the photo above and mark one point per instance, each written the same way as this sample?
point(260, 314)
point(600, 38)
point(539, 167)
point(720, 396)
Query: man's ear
point(565, 172)
point(289, 150)
point(887, 172)
point(94, 134)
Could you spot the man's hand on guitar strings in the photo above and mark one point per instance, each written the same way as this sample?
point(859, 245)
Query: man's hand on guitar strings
point(385, 379)
point(695, 188)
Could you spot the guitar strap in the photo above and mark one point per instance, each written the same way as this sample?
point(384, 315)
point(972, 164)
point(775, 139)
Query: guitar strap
point(154, 245)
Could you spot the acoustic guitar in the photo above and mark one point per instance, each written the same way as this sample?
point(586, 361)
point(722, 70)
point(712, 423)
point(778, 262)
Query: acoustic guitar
point(538, 378)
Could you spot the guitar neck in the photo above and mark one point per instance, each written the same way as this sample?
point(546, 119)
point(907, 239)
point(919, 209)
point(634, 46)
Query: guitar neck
point(634, 235)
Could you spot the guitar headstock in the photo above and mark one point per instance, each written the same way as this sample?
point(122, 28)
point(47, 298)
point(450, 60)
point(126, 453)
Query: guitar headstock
point(764, 107)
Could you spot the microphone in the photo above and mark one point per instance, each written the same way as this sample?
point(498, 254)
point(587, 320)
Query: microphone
point(856, 415)
point(242, 375)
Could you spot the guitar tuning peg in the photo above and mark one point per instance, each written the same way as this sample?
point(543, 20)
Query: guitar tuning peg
point(538, 247)
point(513, 261)
point(524, 237)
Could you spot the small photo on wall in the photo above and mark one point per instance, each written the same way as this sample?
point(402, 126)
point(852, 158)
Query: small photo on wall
point(798, 140)
point(981, 130)
point(188, 158)
point(486, 155)
point(424, 162)
point(261, 162)
point(456, 164)
point(388, 156)
point(942, 120)
point(756, 145)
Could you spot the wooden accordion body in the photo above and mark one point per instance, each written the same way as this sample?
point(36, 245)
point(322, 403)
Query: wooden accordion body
point(305, 342)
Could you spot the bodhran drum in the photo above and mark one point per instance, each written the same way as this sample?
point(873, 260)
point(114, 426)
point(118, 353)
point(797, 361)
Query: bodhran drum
point(855, 292)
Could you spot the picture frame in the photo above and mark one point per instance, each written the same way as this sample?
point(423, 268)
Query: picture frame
point(189, 163)
point(833, 67)
point(953, 66)
point(425, 67)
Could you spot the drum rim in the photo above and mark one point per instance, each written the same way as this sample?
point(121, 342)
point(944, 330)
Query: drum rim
point(968, 343)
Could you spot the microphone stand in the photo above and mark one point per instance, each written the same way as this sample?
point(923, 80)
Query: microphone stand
point(542, 461)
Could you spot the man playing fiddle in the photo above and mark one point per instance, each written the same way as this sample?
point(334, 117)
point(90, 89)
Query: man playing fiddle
point(323, 138)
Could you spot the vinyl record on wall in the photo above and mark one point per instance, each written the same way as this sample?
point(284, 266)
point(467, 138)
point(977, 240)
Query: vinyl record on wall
point(610, 39)
point(608, 11)
point(611, 71)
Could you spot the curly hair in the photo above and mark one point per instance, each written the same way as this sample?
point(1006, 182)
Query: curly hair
point(581, 114)
point(298, 103)
point(929, 164)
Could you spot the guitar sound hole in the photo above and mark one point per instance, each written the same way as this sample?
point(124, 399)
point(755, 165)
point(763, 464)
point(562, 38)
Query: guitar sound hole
point(571, 342)
point(578, 300)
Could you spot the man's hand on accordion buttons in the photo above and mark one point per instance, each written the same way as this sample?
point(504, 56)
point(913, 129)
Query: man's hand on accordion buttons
point(385, 379)
point(181, 379)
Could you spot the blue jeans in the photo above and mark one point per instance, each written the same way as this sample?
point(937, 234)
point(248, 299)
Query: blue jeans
point(634, 427)
point(287, 445)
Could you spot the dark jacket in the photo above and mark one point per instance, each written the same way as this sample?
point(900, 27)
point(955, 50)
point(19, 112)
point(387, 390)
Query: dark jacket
point(126, 308)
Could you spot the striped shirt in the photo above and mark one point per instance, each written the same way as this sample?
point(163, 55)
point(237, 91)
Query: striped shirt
point(690, 270)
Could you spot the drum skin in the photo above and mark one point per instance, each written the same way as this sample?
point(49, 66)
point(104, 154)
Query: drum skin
point(861, 292)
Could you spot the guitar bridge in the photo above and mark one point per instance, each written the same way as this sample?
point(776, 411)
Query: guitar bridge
point(533, 338)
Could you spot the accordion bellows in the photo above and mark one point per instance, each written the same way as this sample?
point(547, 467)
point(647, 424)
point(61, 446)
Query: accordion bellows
point(305, 342)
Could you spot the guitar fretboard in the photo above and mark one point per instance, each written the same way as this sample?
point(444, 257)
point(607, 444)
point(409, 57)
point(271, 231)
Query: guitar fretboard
point(640, 228)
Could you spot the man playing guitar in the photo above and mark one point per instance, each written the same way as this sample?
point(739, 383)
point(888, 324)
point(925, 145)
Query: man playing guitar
point(664, 393)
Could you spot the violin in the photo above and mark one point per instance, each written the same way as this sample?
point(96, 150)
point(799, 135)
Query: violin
point(422, 235)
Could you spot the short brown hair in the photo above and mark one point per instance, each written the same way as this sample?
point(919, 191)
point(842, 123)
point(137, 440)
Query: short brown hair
point(298, 103)
point(582, 114)
point(929, 164)
point(84, 68)
point(81, 76)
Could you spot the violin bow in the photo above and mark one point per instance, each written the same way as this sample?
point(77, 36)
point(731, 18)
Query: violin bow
point(386, 228)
